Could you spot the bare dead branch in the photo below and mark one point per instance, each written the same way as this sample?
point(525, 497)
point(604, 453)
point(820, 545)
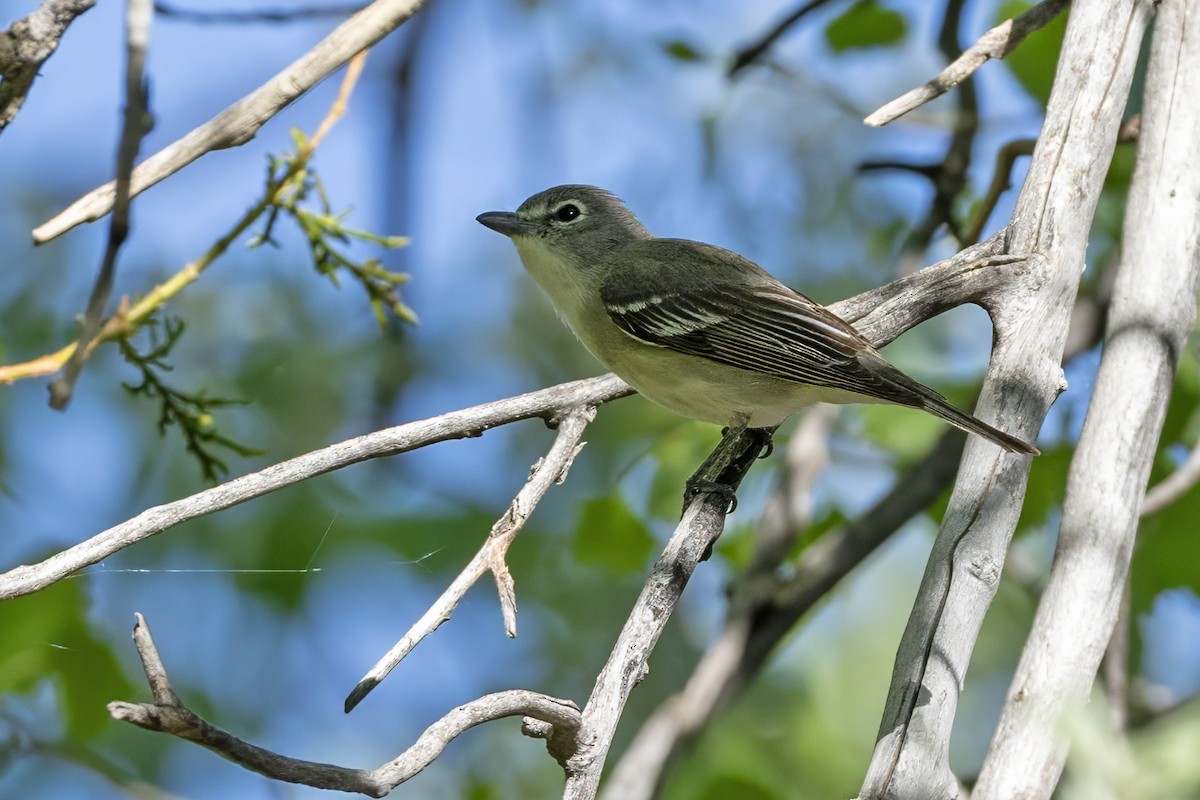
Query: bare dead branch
point(996, 43)
point(238, 123)
point(491, 556)
point(168, 714)
point(548, 404)
point(26, 45)
point(136, 123)
point(637, 774)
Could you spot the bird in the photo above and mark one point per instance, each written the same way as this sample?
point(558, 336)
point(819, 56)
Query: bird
point(699, 329)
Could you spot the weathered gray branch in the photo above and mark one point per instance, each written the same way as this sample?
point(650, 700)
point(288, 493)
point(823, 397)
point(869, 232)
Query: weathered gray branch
point(1050, 226)
point(491, 556)
point(559, 724)
point(239, 123)
point(26, 45)
point(702, 523)
point(549, 404)
point(1152, 312)
point(996, 43)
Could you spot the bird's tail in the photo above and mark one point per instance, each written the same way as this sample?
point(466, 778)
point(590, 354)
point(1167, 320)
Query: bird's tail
point(937, 405)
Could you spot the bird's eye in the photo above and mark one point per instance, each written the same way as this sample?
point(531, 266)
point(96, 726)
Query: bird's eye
point(567, 213)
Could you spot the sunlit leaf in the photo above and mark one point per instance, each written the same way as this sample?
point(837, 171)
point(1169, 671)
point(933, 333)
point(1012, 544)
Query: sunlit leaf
point(865, 24)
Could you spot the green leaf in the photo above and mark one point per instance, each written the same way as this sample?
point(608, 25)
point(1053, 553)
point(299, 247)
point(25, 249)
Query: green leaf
point(46, 636)
point(865, 24)
point(1034, 60)
point(612, 537)
point(681, 50)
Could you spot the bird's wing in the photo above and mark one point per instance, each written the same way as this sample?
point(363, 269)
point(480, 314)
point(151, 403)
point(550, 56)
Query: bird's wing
point(758, 325)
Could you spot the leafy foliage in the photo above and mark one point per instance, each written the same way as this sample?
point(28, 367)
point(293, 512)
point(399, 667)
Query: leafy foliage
point(865, 24)
point(190, 412)
point(291, 182)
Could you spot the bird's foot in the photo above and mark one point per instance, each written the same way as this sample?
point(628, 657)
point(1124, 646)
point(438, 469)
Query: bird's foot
point(696, 486)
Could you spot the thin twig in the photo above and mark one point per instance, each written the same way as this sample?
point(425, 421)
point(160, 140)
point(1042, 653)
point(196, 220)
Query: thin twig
point(135, 125)
point(129, 317)
point(491, 556)
point(238, 123)
point(1174, 486)
point(240, 17)
point(754, 51)
point(547, 404)
point(168, 714)
point(1001, 182)
point(26, 45)
point(951, 176)
point(996, 43)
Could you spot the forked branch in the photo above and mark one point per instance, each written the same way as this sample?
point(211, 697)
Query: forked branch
point(491, 557)
point(547, 717)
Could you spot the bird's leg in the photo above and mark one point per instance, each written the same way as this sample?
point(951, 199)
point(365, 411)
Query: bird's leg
point(722, 471)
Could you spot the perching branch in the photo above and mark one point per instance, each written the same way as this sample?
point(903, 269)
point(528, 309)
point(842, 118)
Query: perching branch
point(764, 608)
point(641, 767)
point(135, 125)
point(238, 124)
point(628, 662)
point(26, 45)
point(996, 43)
point(545, 473)
point(547, 717)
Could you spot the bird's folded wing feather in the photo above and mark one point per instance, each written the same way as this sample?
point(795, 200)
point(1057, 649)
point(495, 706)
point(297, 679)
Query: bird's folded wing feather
point(766, 329)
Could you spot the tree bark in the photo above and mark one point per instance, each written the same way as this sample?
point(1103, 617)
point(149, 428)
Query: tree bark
point(1050, 225)
point(1152, 312)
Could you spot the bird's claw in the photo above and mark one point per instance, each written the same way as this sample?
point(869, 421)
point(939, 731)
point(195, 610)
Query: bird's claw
point(697, 487)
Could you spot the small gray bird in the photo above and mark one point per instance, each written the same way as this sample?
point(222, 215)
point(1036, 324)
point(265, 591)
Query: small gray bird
point(699, 329)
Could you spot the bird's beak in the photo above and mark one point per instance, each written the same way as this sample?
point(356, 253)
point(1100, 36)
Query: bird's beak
point(504, 222)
